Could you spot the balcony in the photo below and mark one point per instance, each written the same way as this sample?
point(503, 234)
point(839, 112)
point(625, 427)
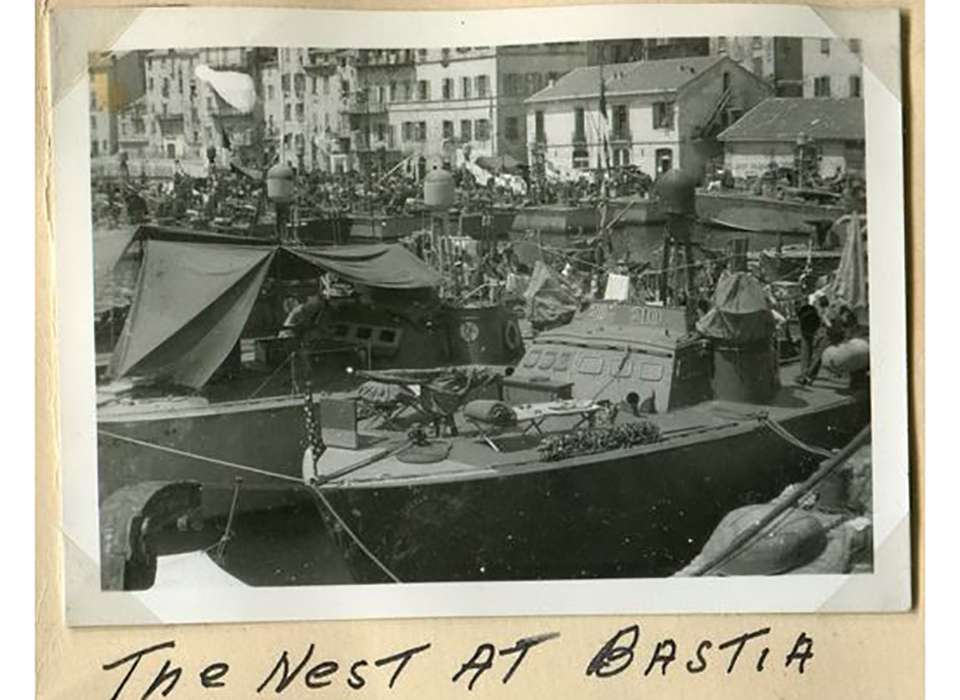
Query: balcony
point(621, 136)
point(359, 104)
point(386, 58)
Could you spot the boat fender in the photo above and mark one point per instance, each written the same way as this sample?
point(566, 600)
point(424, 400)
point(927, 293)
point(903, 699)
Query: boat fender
point(129, 519)
point(512, 337)
point(850, 356)
point(798, 539)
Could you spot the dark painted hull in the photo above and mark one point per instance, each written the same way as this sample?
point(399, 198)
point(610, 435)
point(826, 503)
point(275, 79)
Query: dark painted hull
point(749, 213)
point(266, 434)
point(639, 513)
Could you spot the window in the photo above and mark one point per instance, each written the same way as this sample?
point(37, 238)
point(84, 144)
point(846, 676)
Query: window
point(406, 131)
point(300, 111)
point(393, 92)
point(423, 90)
point(465, 88)
point(581, 157)
point(421, 131)
point(721, 44)
point(381, 132)
point(621, 157)
point(447, 88)
point(269, 92)
point(547, 359)
point(165, 89)
point(482, 129)
point(757, 66)
point(757, 42)
point(94, 148)
point(825, 47)
point(150, 84)
point(662, 115)
point(540, 133)
point(854, 86)
point(344, 87)
point(512, 128)
point(313, 85)
point(821, 86)
point(466, 130)
point(326, 85)
point(407, 90)
point(447, 129)
point(286, 112)
point(482, 84)
point(621, 122)
point(579, 125)
point(590, 365)
point(285, 82)
point(534, 82)
point(854, 46)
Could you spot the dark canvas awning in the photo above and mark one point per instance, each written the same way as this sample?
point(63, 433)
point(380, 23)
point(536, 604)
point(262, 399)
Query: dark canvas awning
point(192, 302)
point(385, 266)
point(196, 291)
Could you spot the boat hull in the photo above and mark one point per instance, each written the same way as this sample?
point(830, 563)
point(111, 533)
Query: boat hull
point(645, 513)
point(750, 213)
point(267, 435)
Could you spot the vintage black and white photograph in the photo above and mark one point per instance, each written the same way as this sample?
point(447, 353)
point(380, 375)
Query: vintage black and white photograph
point(558, 311)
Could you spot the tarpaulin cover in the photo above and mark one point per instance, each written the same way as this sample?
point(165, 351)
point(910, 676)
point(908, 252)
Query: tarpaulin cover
point(741, 311)
point(192, 302)
point(549, 301)
point(850, 284)
point(385, 266)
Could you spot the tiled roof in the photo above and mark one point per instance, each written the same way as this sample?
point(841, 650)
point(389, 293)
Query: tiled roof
point(665, 75)
point(785, 118)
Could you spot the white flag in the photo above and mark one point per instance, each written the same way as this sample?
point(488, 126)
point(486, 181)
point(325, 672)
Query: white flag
point(236, 89)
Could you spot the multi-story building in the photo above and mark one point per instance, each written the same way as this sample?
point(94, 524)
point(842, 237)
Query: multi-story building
point(832, 68)
point(628, 50)
point(469, 101)
point(305, 94)
point(116, 80)
point(660, 114)
point(183, 115)
point(797, 67)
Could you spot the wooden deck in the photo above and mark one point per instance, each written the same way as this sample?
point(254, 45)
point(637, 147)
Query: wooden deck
point(470, 457)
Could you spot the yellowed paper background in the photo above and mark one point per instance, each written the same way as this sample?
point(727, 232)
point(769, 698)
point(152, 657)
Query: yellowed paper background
point(862, 656)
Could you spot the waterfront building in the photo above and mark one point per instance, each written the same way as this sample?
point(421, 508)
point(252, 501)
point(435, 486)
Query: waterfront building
point(660, 114)
point(468, 101)
point(116, 80)
point(795, 66)
point(771, 130)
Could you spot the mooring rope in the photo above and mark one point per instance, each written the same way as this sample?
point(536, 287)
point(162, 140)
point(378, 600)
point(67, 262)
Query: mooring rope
point(200, 458)
point(263, 472)
point(789, 437)
point(747, 537)
point(356, 539)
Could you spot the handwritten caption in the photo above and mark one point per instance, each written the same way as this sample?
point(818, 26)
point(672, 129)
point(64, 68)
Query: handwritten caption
point(152, 672)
